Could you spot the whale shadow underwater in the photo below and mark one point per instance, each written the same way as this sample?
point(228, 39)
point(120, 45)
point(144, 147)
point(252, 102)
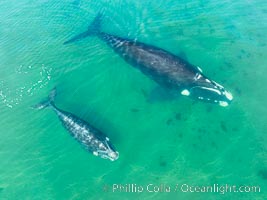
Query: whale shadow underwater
point(168, 70)
point(87, 135)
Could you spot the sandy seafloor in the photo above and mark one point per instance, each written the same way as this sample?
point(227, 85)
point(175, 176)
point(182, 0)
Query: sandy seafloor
point(161, 141)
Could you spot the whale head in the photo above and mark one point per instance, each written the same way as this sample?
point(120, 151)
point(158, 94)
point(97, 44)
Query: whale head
point(209, 91)
point(106, 150)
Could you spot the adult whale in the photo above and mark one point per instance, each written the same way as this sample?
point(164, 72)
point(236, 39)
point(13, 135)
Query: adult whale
point(90, 137)
point(167, 69)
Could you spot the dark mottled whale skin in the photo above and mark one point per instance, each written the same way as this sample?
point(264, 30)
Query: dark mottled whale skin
point(167, 69)
point(91, 138)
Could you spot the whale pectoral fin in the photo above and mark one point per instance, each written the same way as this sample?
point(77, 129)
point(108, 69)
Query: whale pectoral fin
point(160, 94)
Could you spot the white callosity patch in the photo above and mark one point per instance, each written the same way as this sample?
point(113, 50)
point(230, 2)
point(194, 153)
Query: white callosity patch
point(228, 95)
point(197, 76)
point(185, 92)
point(211, 89)
point(113, 155)
point(104, 151)
point(101, 145)
point(199, 69)
point(220, 91)
point(223, 103)
point(217, 85)
point(207, 80)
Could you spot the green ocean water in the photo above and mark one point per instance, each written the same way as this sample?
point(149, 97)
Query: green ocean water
point(161, 141)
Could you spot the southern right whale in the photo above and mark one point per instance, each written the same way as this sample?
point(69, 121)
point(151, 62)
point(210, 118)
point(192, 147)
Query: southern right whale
point(90, 137)
point(167, 69)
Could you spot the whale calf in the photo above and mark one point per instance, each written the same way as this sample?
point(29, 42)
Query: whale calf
point(90, 137)
point(167, 69)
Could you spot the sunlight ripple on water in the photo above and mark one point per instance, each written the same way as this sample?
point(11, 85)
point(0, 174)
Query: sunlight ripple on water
point(39, 77)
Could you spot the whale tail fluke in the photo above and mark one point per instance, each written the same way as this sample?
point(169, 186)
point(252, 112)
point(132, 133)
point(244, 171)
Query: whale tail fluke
point(93, 29)
point(48, 102)
point(95, 26)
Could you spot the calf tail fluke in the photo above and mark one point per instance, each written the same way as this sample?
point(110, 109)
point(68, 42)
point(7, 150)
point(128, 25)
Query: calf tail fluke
point(52, 95)
point(95, 26)
point(48, 102)
point(93, 29)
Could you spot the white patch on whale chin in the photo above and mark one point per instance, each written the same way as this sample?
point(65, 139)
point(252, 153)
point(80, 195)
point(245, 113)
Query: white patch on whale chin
point(185, 92)
point(113, 155)
point(223, 103)
point(228, 95)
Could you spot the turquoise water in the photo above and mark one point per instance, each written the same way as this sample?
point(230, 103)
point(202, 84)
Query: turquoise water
point(162, 141)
